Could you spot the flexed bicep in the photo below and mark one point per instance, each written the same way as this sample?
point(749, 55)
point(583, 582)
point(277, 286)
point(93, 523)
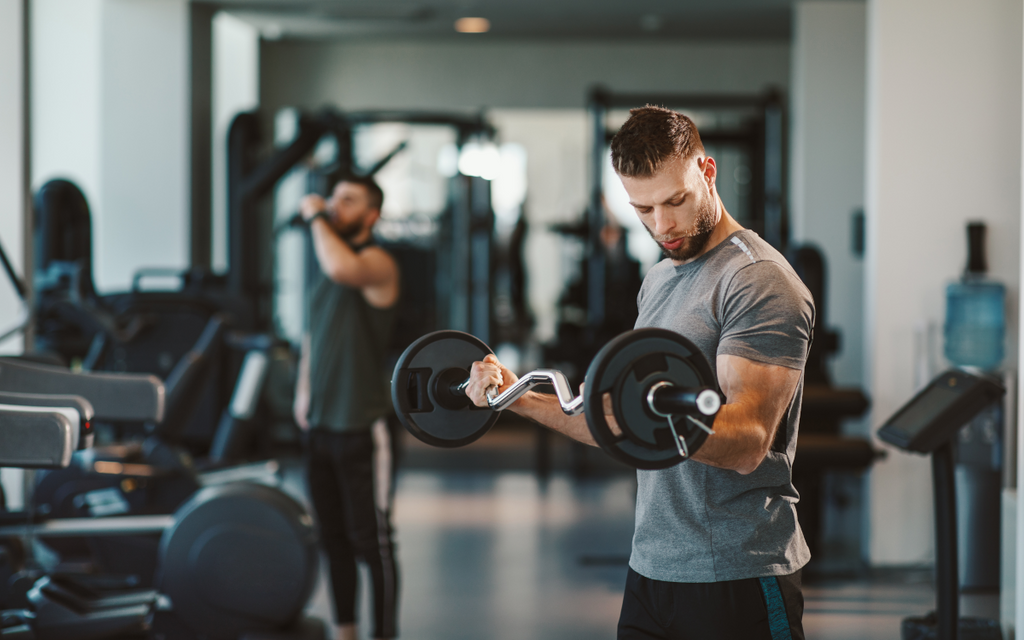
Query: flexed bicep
point(757, 397)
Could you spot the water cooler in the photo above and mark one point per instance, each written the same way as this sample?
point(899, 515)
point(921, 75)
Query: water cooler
point(974, 331)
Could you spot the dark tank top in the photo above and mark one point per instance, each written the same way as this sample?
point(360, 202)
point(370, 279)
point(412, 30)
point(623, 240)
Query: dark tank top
point(349, 339)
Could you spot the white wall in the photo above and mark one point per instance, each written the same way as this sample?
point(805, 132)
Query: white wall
point(471, 74)
point(12, 170)
point(827, 160)
point(110, 112)
point(236, 86)
point(1012, 562)
point(145, 140)
point(943, 147)
point(12, 196)
point(66, 88)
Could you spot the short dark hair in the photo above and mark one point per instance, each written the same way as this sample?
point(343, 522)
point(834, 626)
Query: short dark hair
point(373, 190)
point(652, 136)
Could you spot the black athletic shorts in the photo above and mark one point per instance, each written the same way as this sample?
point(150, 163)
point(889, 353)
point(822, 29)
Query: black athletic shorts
point(753, 609)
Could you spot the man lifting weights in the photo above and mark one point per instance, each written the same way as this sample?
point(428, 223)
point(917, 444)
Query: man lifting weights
point(342, 397)
point(717, 549)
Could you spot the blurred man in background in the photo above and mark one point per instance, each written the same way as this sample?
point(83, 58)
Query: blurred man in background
point(342, 397)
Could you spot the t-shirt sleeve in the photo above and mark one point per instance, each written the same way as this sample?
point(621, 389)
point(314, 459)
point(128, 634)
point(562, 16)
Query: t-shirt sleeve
point(767, 316)
point(640, 296)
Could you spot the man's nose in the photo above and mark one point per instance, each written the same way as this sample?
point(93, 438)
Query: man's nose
point(664, 222)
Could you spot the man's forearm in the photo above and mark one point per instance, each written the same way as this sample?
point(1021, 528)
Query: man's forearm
point(333, 254)
point(739, 443)
point(546, 410)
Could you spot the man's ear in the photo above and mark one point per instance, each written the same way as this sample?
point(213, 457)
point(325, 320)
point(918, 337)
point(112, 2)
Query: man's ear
point(709, 170)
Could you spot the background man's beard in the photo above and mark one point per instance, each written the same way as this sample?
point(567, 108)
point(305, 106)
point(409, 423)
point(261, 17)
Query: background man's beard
point(693, 244)
point(350, 230)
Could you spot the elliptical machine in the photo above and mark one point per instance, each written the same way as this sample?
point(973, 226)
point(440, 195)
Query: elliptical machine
point(153, 476)
point(237, 561)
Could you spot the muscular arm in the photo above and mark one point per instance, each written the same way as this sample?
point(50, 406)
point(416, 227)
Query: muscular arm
point(539, 407)
point(544, 409)
point(373, 270)
point(757, 398)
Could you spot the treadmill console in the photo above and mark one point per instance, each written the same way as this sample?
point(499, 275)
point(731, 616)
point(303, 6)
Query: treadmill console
point(931, 418)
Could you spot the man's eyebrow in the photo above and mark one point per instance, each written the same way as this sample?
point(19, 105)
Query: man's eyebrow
point(674, 196)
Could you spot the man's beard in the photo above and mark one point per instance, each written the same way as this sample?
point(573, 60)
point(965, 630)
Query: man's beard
point(695, 241)
point(348, 231)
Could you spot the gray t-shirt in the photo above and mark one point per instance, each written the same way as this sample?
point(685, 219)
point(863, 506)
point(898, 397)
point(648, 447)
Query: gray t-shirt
point(694, 522)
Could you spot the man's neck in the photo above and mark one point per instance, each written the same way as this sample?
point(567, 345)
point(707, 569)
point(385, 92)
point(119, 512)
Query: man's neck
point(360, 239)
point(725, 227)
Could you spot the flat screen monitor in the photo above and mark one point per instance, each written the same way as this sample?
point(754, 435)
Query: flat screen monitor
point(935, 414)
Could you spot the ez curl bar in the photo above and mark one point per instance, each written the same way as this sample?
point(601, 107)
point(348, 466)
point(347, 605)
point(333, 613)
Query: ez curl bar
point(662, 395)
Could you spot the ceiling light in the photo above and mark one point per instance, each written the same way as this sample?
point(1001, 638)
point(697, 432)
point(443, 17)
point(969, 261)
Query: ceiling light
point(472, 25)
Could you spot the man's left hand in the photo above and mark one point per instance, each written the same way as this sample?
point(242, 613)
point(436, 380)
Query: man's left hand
point(311, 205)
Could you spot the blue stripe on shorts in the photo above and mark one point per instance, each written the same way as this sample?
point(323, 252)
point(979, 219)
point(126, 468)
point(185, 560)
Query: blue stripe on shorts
point(778, 621)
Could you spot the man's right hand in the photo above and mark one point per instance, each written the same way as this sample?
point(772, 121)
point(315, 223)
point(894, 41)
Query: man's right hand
point(311, 205)
point(487, 374)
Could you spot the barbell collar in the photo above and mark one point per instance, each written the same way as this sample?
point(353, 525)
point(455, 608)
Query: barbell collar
point(666, 399)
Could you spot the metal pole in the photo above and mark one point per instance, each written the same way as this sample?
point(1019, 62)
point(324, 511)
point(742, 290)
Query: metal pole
point(481, 228)
point(773, 172)
point(595, 213)
point(947, 605)
point(28, 224)
point(458, 314)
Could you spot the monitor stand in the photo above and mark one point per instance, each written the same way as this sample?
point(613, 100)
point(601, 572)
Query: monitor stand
point(947, 601)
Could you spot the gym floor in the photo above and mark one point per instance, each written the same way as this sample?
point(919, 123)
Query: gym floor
point(488, 550)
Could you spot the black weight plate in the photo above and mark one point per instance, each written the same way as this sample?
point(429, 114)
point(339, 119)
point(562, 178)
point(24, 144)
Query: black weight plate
point(419, 389)
point(626, 368)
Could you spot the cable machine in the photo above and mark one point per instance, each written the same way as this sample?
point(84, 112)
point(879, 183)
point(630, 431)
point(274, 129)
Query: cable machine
point(462, 246)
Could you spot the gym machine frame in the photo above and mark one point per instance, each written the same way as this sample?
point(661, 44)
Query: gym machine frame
point(466, 277)
point(40, 429)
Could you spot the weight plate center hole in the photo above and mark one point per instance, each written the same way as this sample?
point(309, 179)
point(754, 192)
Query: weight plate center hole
point(446, 391)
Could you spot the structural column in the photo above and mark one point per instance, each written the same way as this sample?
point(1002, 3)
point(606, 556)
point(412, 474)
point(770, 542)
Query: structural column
point(236, 88)
point(13, 153)
point(827, 161)
point(13, 189)
point(943, 148)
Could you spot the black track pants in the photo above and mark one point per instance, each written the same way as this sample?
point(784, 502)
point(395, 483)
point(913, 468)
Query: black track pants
point(350, 486)
point(753, 609)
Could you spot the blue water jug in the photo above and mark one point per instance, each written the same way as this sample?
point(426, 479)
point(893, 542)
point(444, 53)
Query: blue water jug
point(975, 310)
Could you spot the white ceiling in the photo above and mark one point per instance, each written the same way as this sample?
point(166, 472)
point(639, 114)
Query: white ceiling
point(517, 18)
